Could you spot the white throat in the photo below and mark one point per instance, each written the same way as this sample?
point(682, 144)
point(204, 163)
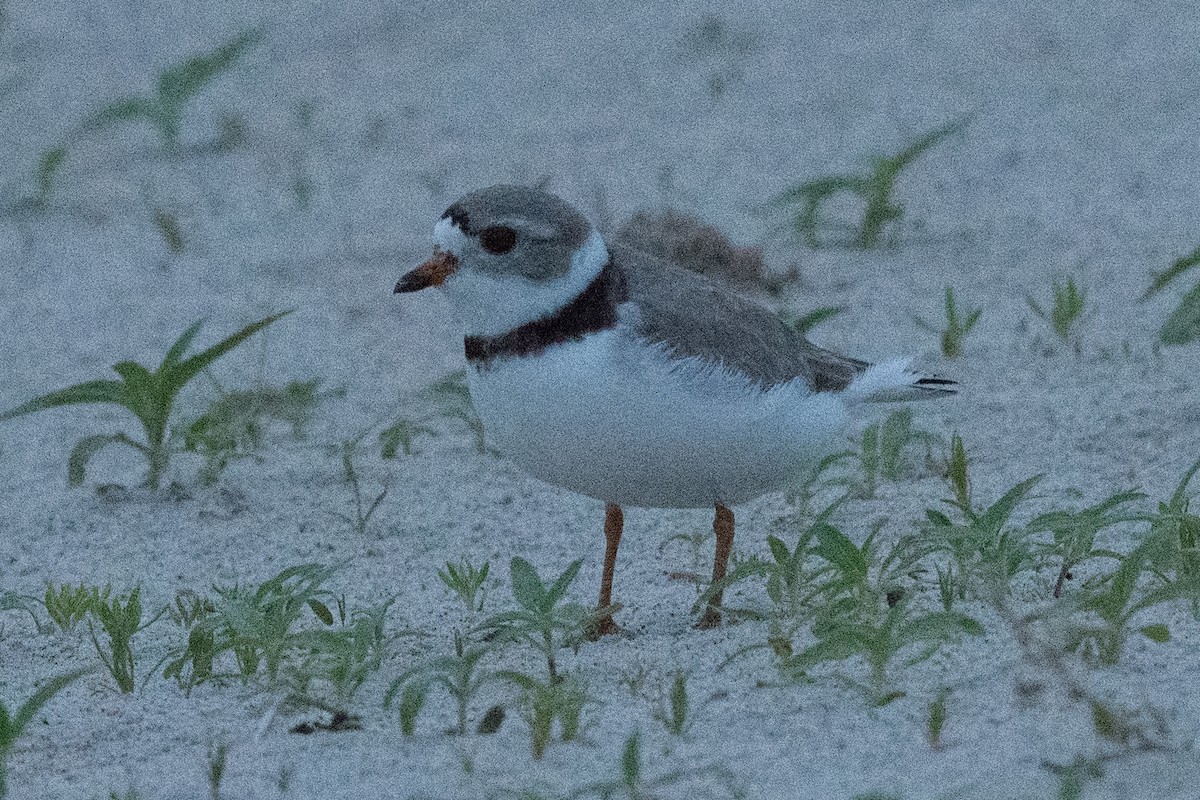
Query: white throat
point(491, 305)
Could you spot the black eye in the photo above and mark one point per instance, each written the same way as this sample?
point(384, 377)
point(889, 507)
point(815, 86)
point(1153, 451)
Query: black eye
point(498, 239)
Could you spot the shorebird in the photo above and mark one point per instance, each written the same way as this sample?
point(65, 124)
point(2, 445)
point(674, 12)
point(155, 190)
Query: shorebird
point(632, 380)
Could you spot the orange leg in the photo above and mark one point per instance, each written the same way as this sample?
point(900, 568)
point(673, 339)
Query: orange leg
point(723, 528)
point(614, 523)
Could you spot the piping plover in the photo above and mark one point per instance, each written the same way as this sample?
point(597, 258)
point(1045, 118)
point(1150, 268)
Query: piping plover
point(632, 380)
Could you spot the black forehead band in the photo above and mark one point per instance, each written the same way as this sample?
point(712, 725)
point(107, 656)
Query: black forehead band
point(458, 216)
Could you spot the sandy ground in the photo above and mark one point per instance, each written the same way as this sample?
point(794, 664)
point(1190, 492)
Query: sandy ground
point(1079, 160)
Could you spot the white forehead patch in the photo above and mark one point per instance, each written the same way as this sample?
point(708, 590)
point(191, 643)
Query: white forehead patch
point(448, 236)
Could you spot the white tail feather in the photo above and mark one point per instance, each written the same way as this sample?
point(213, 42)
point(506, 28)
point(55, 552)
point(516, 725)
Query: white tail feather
point(892, 381)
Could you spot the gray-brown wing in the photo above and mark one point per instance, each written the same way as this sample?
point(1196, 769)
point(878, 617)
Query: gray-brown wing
point(698, 317)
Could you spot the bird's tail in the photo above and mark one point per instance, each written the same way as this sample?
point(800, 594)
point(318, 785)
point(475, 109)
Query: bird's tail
point(892, 381)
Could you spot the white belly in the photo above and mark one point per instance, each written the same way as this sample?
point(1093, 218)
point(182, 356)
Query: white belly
point(608, 418)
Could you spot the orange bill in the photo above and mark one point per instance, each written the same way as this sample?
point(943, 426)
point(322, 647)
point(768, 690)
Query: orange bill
point(432, 273)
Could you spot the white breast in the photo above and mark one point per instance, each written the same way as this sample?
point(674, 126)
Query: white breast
point(610, 417)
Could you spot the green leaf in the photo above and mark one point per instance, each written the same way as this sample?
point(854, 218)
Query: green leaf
point(322, 611)
point(560, 586)
point(102, 391)
point(83, 451)
point(175, 375)
point(836, 548)
point(1157, 633)
point(178, 84)
point(527, 587)
point(779, 550)
point(12, 730)
point(181, 345)
point(1183, 325)
point(631, 760)
point(1182, 265)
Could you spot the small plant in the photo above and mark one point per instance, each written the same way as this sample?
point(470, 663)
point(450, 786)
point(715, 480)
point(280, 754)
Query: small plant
point(1075, 533)
point(885, 446)
point(363, 511)
point(812, 319)
point(175, 87)
point(879, 641)
point(632, 782)
point(715, 44)
point(167, 225)
point(875, 189)
point(120, 621)
point(1113, 603)
point(458, 674)
point(235, 425)
point(936, 721)
point(149, 396)
point(675, 717)
point(335, 663)
point(1066, 310)
point(254, 624)
point(69, 605)
point(561, 698)
point(985, 549)
point(1175, 523)
point(955, 332)
point(469, 584)
point(543, 621)
point(1183, 325)
point(218, 757)
point(448, 398)
point(12, 725)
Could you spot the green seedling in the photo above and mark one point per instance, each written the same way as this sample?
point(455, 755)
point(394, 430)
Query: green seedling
point(676, 716)
point(363, 511)
point(812, 319)
point(875, 189)
point(985, 549)
point(468, 582)
point(12, 725)
point(561, 698)
point(256, 625)
point(633, 783)
point(120, 621)
point(49, 164)
point(218, 759)
point(955, 332)
point(1113, 603)
point(458, 674)
point(451, 399)
point(721, 48)
point(1183, 325)
point(336, 662)
point(878, 641)
point(1066, 310)
point(235, 425)
point(167, 225)
point(175, 88)
point(1075, 533)
point(543, 621)
point(935, 723)
point(861, 580)
point(1074, 776)
point(1175, 522)
point(886, 446)
point(69, 605)
point(149, 396)
point(448, 398)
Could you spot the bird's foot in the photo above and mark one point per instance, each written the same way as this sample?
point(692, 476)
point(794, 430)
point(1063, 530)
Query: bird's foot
point(602, 626)
point(710, 620)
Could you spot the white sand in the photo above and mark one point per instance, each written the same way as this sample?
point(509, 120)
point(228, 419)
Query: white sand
point(1080, 160)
